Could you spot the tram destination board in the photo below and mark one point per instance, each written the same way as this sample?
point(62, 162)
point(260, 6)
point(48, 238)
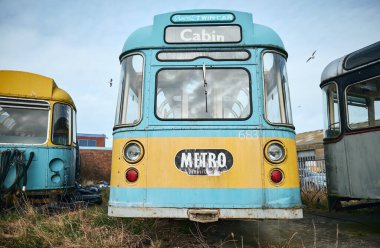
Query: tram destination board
point(203, 34)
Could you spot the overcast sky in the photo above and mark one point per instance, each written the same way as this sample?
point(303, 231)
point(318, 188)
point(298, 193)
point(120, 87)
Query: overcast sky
point(78, 42)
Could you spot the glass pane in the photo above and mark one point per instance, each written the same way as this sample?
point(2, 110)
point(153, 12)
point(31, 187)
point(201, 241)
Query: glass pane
point(278, 108)
point(129, 101)
point(23, 126)
point(363, 104)
point(331, 111)
point(203, 34)
point(183, 94)
point(74, 126)
point(61, 124)
point(214, 55)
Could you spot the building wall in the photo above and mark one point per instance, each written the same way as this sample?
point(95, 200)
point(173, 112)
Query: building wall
point(100, 141)
point(95, 165)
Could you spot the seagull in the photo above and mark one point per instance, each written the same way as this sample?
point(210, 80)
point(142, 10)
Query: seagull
point(312, 57)
point(110, 82)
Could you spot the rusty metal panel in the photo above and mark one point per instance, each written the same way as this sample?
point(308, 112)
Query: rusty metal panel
point(363, 160)
point(336, 169)
point(226, 213)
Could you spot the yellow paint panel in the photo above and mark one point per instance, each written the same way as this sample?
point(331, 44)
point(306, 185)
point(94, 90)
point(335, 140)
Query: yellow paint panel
point(32, 86)
point(249, 169)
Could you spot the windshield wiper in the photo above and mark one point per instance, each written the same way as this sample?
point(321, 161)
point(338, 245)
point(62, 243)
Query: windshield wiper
point(205, 82)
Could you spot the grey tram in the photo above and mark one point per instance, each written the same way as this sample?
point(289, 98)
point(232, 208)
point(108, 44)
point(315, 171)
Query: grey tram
point(351, 90)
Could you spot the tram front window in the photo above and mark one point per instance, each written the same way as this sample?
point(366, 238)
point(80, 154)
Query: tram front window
point(277, 98)
point(23, 125)
point(363, 104)
point(331, 111)
point(128, 110)
point(62, 121)
point(206, 93)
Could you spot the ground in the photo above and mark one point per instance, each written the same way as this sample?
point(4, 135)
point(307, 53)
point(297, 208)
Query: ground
point(92, 227)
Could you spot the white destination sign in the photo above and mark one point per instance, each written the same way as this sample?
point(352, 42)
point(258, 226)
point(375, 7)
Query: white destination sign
point(203, 34)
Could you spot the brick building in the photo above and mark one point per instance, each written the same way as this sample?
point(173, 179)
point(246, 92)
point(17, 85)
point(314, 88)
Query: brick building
point(91, 140)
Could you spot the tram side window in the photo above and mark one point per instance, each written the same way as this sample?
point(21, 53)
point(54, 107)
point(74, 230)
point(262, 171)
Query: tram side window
point(363, 104)
point(331, 111)
point(62, 116)
point(129, 101)
point(278, 108)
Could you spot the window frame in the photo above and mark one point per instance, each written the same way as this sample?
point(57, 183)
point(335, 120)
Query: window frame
point(346, 106)
point(202, 57)
point(199, 25)
point(208, 119)
point(49, 110)
point(282, 103)
point(141, 100)
point(339, 111)
point(71, 123)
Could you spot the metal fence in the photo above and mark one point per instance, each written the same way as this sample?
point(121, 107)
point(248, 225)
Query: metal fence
point(312, 174)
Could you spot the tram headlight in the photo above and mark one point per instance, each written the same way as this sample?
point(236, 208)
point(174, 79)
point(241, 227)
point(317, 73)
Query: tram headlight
point(275, 152)
point(133, 152)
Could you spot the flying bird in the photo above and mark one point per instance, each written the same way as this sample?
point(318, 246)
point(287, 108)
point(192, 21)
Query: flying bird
point(110, 82)
point(312, 57)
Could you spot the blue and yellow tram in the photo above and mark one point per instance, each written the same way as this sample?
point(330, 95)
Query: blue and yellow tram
point(37, 136)
point(351, 89)
point(203, 125)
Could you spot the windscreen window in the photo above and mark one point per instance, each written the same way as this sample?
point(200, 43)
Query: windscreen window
point(62, 119)
point(128, 110)
point(363, 104)
point(23, 125)
point(203, 94)
point(331, 111)
point(277, 98)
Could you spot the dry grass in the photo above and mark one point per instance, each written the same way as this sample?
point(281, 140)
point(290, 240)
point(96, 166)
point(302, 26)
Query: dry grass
point(91, 227)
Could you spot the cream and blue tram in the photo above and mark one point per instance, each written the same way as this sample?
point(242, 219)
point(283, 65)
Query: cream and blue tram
point(203, 125)
point(38, 149)
point(351, 89)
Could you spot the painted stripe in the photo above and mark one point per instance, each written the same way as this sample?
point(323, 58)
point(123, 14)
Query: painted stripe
point(206, 197)
point(240, 132)
point(158, 169)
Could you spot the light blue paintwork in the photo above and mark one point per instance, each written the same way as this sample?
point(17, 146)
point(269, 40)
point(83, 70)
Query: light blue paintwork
point(51, 167)
point(153, 36)
point(206, 197)
point(256, 39)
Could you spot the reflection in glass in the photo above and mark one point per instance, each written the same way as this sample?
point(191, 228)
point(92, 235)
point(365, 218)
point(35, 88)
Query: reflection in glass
point(214, 55)
point(363, 104)
point(278, 108)
point(331, 111)
point(61, 134)
point(181, 94)
point(23, 126)
point(129, 100)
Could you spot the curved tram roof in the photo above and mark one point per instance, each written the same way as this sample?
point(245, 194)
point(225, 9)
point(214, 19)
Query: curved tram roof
point(153, 36)
point(352, 62)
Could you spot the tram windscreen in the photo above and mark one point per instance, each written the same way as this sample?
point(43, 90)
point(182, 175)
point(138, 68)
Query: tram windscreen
point(23, 125)
point(184, 94)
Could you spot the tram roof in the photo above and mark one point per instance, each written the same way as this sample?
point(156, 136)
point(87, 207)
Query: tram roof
point(353, 61)
point(153, 36)
point(33, 86)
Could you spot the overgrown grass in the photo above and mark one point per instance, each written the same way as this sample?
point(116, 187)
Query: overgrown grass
point(29, 226)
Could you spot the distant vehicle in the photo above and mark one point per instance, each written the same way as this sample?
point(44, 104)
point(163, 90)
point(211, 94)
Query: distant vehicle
point(203, 124)
point(351, 89)
point(311, 180)
point(39, 151)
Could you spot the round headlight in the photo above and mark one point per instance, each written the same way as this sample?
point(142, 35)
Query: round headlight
point(133, 152)
point(275, 152)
